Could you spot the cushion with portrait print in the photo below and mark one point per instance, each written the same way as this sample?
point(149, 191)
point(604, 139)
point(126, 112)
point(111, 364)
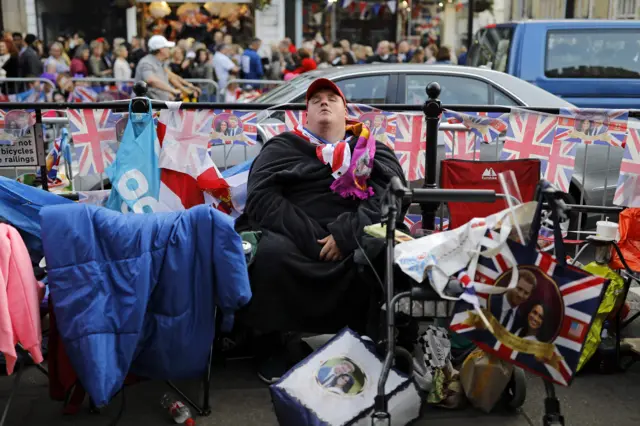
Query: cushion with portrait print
point(337, 385)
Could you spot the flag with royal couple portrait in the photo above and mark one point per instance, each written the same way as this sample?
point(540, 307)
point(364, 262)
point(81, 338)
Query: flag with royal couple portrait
point(541, 322)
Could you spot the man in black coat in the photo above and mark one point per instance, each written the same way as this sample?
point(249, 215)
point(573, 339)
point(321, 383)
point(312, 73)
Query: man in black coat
point(29, 63)
point(311, 192)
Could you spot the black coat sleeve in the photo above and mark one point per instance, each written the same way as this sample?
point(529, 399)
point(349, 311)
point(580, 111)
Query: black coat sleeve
point(267, 208)
point(349, 226)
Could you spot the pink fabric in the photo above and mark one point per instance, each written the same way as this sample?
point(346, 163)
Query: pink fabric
point(19, 303)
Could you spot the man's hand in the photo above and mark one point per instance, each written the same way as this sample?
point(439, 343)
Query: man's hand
point(330, 251)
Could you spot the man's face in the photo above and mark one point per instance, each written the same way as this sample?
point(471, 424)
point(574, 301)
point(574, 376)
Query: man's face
point(377, 122)
point(383, 48)
point(521, 293)
point(164, 53)
point(17, 40)
point(326, 108)
point(233, 123)
point(403, 47)
point(344, 368)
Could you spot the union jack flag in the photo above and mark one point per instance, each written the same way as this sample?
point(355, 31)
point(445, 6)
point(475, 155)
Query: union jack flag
point(381, 123)
point(94, 138)
point(461, 145)
point(531, 135)
point(31, 95)
point(273, 129)
point(592, 126)
point(84, 94)
point(293, 119)
point(414, 223)
point(570, 299)
point(410, 145)
point(487, 126)
point(96, 198)
point(628, 190)
point(184, 132)
point(247, 123)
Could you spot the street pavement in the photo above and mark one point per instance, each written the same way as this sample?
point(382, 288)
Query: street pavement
point(240, 399)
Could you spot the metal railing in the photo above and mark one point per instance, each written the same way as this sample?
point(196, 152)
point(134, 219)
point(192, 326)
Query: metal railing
point(229, 155)
point(26, 89)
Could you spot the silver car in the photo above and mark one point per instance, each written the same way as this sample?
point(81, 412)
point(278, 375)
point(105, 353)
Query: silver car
point(405, 84)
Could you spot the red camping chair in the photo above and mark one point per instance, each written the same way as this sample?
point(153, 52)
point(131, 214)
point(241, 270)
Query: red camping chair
point(466, 174)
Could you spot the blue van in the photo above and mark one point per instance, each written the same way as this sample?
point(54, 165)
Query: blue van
point(590, 63)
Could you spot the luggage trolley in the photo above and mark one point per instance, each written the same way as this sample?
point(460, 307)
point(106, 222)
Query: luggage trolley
point(395, 193)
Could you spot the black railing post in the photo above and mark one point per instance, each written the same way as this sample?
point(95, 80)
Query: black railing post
point(432, 110)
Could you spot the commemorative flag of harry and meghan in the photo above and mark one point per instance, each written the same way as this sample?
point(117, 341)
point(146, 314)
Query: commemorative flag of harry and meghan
point(483, 127)
point(540, 324)
point(234, 128)
point(533, 135)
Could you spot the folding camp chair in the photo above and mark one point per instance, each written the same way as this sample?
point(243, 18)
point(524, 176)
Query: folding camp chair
point(467, 174)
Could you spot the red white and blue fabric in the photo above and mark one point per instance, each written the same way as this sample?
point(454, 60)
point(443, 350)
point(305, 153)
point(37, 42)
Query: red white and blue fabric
point(361, 113)
point(487, 126)
point(531, 135)
point(273, 129)
point(461, 145)
point(188, 177)
point(605, 127)
point(247, 122)
point(580, 295)
point(31, 95)
point(628, 190)
point(94, 139)
point(337, 155)
point(410, 145)
point(414, 223)
point(293, 119)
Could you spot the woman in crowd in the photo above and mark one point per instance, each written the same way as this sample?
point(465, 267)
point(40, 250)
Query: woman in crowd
point(431, 51)
point(346, 59)
point(179, 64)
point(121, 68)
point(79, 64)
point(322, 59)
point(8, 60)
point(97, 65)
point(202, 67)
point(56, 58)
point(443, 56)
point(418, 56)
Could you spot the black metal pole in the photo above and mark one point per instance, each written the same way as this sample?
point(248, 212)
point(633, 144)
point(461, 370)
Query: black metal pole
point(41, 153)
point(432, 110)
point(469, 24)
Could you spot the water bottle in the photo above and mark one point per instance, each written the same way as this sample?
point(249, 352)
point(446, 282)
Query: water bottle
point(178, 411)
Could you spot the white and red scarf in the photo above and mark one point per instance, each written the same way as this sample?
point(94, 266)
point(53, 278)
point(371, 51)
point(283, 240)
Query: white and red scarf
point(351, 171)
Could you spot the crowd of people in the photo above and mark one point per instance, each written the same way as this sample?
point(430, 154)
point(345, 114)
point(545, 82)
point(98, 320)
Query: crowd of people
point(188, 59)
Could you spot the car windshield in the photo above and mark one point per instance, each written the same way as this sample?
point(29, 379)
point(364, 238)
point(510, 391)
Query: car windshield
point(284, 92)
point(593, 53)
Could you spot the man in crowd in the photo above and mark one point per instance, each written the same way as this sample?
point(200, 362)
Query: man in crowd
point(252, 62)
point(29, 64)
point(223, 65)
point(383, 54)
point(137, 52)
point(163, 84)
point(304, 194)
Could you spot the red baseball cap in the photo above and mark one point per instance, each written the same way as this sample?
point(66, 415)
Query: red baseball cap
point(324, 84)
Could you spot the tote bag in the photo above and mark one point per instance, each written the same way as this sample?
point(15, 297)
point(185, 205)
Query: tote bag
point(542, 323)
point(135, 174)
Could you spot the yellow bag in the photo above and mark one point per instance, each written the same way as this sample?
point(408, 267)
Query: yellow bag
point(609, 301)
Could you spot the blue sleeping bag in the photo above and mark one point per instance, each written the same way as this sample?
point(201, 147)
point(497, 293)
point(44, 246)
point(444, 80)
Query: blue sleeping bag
point(138, 293)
